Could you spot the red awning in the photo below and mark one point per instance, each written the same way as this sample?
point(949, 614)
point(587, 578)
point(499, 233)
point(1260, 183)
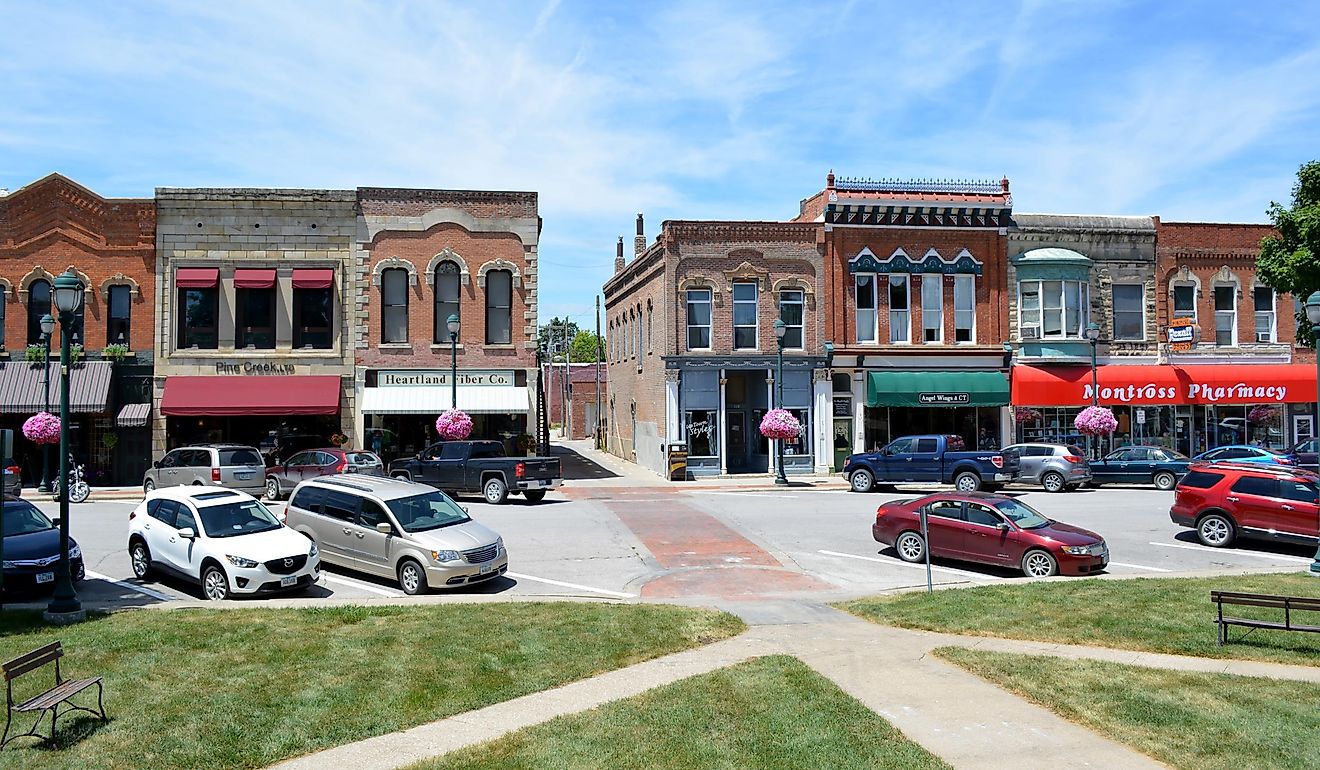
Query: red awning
point(196, 277)
point(313, 277)
point(254, 278)
point(1194, 384)
point(250, 394)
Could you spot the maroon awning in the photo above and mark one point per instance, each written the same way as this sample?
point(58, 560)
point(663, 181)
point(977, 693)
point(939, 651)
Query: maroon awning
point(250, 394)
point(313, 277)
point(254, 278)
point(196, 277)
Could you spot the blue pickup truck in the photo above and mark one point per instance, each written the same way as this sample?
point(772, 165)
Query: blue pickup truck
point(937, 459)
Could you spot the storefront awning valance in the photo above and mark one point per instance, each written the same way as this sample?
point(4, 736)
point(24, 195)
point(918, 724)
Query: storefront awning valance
point(21, 387)
point(313, 278)
point(197, 277)
point(133, 416)
point(1194, 384)
point(431, 399)
point(246, 395)
point(253, 278)
point(936, 388)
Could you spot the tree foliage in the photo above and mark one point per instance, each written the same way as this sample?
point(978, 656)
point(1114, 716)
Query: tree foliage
point(583, 350)
point(550, 336)
point(1290, 262)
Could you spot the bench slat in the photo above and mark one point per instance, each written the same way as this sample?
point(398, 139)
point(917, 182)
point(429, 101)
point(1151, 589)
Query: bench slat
point(63, 692)
point(1253, 623)
point(32, 660)
point(1301, 603)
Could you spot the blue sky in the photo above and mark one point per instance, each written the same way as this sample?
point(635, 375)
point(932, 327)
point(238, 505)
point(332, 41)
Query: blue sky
point(693, 110)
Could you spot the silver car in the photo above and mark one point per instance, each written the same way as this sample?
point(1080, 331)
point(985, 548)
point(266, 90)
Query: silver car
point(232, 466)
point(1056, 467)
point(396, 529)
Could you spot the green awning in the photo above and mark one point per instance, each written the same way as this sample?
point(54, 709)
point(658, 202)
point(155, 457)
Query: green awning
point(908, 388)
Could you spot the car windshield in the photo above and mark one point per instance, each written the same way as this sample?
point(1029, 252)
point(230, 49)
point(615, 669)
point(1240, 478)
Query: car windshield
point(432, 510)
point(1021, 514)
point(23, 518)
point(232, 519)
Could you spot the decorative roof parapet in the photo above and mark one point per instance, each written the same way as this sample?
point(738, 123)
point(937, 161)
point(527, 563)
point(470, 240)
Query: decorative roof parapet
point(955, 186)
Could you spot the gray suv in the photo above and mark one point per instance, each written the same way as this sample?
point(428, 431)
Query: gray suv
point(1056, 467)
point(397, 529)
point(232, 466)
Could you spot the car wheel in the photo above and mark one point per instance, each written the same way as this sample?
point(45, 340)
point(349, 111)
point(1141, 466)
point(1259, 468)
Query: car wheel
point(402, 476)
point(1165, 481)
point(967, 482)
point(272, 488)
point(911, 547)
point(141, 559)
point(148, 486)
point(412, 578)
point(534, 495)
point(495, 491)
point(1215, 530)
point(1039, 564)
point(861, 481)
point(1053, 482)
point(214, 583)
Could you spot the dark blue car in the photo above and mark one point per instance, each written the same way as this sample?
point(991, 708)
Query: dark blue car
point(32, 548)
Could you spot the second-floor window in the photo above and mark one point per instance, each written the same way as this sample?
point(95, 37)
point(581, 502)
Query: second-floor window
point(866, 304)
point(790, 312)
point(1263, 299)
point(446, 299)
point(38, 305)
point(119, 316)
point(964, 308)
point(1052, 309)
point(744, 315)
point(1184, 301)
point(899, 315)
point(394, 305)
point(1226, 315)
point(4, 297)
point(312, 313)
point(499, 307)
point(1129, 311)
point(254, 318)
point(932, 308)
point(698, 319)
point(198, 311)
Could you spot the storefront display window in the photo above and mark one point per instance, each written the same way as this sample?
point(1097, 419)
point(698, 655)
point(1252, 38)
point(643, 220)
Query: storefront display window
point(1188, 429)
point(701, 426)
point(977, 426)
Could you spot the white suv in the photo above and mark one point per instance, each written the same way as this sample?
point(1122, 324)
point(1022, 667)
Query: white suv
point(223, 539)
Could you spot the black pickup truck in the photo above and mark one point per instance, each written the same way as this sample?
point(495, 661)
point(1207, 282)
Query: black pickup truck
point(480, 467)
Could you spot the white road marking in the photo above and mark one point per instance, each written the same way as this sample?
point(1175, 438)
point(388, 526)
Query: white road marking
point(898, 563)
point(1235, 552)
point(125, 584)
point(758, 495)
point(368, 587)
point(1138, 566)
point(520, 576)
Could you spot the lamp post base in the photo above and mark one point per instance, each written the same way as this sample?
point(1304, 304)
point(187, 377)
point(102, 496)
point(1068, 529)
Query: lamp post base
point(781, 480)
point(1315, 565)
point(64, 618)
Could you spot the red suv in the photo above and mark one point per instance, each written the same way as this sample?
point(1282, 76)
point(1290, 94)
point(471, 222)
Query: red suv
point(1225, 501)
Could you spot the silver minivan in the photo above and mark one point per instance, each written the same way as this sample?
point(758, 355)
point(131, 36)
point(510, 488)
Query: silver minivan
point(232, 466)
point(1056, 467)
point(397, 529)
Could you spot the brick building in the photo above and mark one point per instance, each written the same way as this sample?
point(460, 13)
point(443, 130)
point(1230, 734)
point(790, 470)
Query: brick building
point(692, 349)
point(49, 226)
point(422, 256)
point(578, 391)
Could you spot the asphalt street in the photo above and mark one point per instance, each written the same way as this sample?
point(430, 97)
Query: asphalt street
point(613, 542)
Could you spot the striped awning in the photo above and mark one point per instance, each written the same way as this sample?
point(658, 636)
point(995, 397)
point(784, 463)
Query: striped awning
point(434, 399)
point(21, 385)
point(133, 416)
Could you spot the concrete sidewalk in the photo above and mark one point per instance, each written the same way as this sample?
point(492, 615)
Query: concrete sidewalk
point(585, 466)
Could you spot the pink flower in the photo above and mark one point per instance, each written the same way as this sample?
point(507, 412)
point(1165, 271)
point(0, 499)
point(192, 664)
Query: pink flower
point(1025, 414)
point(1261, 415)
point(780, 424)
point(454, 425)
point(42, 428)
point(1096, 421)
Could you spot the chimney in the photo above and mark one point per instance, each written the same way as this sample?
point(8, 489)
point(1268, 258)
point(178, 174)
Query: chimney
point(618, 257)
point(829, 180)
point(1003, 183)
point(639, 240)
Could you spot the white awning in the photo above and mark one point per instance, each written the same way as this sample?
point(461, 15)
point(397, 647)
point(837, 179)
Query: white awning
point(432, 399)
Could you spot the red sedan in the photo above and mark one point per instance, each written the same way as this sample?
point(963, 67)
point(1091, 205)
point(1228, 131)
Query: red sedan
point(992, 529)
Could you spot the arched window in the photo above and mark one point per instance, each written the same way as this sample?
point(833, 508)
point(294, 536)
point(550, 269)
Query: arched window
point(447, 277)
point(499, 307)
point(38, 306)
point(394, 305)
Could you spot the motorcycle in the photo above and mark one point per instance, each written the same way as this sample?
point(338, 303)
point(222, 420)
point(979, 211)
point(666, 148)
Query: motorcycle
point(80, 489)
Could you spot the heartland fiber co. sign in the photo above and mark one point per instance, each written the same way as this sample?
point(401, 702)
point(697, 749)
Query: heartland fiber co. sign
point(398, 378)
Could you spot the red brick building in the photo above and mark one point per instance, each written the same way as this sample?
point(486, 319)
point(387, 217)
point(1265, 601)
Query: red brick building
point(47, 227)
point(424, 255)
point(578, 391)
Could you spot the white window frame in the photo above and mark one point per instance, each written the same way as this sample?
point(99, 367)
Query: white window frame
point(1233, 314)
point(1173, 300)
point(1113, 322)
point(755, 302)
point(1273, 314)
point(907, 311)
point(874, 330)
point(1083, 311)
point(688, 326)
point(936, 280)
point(970, 282)
point(801, 326)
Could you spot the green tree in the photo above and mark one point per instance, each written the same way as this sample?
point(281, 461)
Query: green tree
point(1290, 261)
point(554, 332)
point(583, 350)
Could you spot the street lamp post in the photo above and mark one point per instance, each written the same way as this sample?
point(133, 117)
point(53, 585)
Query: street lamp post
point(1313, 315)
point(452, 324)
point(64, 606)
point(780, 328)
point(47, 329)
point(1093, 336)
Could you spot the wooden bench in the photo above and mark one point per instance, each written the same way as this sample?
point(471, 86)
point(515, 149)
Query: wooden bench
point(48, 701)
point(1289, 605)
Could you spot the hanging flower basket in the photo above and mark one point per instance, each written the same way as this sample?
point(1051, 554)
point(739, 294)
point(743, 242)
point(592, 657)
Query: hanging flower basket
point(780, 424)
point(338, 439)
point(1096, 421)
point(1261, 415)
point(454, 425)
point(1024, 414)
point(42, 428)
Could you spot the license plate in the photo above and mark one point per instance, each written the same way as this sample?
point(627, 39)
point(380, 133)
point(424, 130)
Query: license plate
point(285, 582)
point(244, 475)
point(544, 483)
point(486, 568)
point(45, 577)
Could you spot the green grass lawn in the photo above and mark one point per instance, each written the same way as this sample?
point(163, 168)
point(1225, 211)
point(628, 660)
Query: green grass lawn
point(1172, 615)
point(245, 688)
point(771, 714)
point(1188, 720)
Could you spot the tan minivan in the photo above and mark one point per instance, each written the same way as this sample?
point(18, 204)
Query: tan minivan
point(397, 529)
point(232, 466)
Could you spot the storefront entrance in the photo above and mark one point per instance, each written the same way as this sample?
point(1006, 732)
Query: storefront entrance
point(746, 400)
point(978, 426)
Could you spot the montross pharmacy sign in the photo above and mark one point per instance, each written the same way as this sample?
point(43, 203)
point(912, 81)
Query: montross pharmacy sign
point(1137, 385)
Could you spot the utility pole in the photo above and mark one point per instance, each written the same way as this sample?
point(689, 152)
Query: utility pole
point(595, 429)
point(563, 385)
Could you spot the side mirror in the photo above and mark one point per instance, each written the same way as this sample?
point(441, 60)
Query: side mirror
point(156, 465)
point(465, 509)
point(187, 533)
point(1003, 526)
point(55, 520)
point(384, 528)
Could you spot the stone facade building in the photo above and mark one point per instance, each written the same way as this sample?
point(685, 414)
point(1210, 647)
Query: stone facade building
point(422, 256)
